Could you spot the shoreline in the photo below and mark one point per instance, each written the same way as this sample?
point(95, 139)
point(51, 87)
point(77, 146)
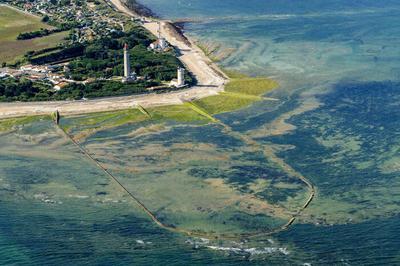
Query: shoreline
point(172, 33)
point(210, 78)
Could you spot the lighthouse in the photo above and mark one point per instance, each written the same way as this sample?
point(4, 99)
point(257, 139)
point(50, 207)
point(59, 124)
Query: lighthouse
point(181, 77)
point(127, 63)
point(179, 82)
point(128, 75)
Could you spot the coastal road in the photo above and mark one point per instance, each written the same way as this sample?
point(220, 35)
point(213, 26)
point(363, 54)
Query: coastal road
point(17, 109)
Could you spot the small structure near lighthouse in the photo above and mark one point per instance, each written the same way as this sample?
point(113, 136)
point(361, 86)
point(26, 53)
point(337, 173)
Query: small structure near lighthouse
point(161, 43)
point(128, 75)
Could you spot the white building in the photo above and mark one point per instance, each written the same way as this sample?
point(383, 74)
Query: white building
point(161, 44)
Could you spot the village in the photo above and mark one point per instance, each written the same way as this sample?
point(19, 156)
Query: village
point(89, 23)
point(87, 20)
point(54, 74)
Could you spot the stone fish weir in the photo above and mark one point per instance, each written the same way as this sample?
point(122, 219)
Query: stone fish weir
point(56, 118)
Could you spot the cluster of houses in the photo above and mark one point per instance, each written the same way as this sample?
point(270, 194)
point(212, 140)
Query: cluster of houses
point(161, 44)
point(45, 73)
point(91, 20)
point(54, 74)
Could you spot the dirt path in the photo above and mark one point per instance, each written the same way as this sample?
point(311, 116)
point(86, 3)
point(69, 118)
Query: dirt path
point(16, 109)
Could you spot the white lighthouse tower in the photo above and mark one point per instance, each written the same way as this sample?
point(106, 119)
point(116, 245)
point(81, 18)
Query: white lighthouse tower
point(181, 77)
point(128, 75)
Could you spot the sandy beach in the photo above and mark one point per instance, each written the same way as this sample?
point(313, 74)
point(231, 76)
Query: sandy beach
point(210, 80)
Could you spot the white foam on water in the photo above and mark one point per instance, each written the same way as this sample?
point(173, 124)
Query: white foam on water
point(141, 242)
point(252, 251)
point(238, 248)
point(78, 196)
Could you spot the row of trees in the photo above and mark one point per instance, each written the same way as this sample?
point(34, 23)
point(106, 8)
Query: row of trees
point(12, 89)
point(22, 90)
point(62, 54)
point(36, 34)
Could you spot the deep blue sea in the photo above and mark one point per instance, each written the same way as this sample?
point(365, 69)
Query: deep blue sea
point(336, 121)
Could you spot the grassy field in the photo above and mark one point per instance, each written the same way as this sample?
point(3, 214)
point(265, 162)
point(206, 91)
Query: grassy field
point(13, 22)
point(240, 92)
point(222, 103)
point(251, 86)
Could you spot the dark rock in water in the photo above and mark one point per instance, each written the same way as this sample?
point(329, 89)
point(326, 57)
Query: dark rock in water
point(139, 8)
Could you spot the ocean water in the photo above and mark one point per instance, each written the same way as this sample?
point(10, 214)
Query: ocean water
point(336, 122)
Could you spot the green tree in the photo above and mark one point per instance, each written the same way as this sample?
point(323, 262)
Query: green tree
point(46, 18)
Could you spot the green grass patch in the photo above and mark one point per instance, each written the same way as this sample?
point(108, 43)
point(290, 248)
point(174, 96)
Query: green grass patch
point(200, 111)
point(10, 123)
point(222, 103)
point(239, 93)
point(179, 113)
point(12, 23)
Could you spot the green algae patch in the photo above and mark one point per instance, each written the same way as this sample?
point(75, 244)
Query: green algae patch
point(178, 113)
point(10, 123)
point(200, 111)
point(233, 74)
point(223, 103)
point(104, 119)
point(240, 92)
point(85, 125)
point(251, 86)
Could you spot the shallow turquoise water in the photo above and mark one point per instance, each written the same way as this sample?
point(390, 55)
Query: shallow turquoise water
point(338, 65)
point(342, 56)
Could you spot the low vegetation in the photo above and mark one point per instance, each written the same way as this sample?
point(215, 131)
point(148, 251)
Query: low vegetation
point(240, 92)
point(251, 86)
point(222, 103)
point(14, 22)
point(11, 123)
point(83, 126)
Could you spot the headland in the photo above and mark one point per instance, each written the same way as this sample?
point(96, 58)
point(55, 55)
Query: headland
point(210, 79)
